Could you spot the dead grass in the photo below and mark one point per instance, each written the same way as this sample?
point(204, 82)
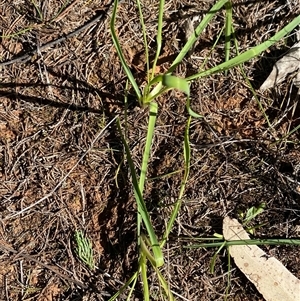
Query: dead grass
point(53, 106)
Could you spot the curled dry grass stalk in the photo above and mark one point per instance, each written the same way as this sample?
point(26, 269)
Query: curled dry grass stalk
point(157, 85)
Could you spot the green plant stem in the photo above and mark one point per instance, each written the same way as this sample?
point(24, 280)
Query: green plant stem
point(150, 132)
point(228, 26)
point(153, 108)
point(143, 266)
point(142, 209)
point(258, 242)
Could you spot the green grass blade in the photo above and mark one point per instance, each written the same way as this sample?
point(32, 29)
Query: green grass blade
point(228, 26)
point(214, 258)
point(17, 33)
point(142, 209)
point(290, 133)
point(267, 241)
point(207, 58)
point(249, 54)
point(150, 132)
point(62, 8)
point(164, 285)
point(147, 255)
point(119, 51)
point(192, 40)
point(258, 242)
point(187, 163)
point(161, 278)
point(175, 82)
point(143, 266)
point(190, 111)
point(144, 249)
point(248, 81)
point(133, 278)
point(156, 92)
point(172, 82)
point(132, 287)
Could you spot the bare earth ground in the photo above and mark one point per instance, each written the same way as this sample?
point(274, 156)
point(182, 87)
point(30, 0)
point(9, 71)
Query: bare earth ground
point(54, 105)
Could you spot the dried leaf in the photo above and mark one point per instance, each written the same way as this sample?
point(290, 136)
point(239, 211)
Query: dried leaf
point(286, 65)
point(271, 278)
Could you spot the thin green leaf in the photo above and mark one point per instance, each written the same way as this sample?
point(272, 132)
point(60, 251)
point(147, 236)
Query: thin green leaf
point(167, 82)
point(213, 260)
point(194, 37)
point(190, 111)
point(164, 285)
point(41, 18)
point(161, 278)
point(141, 205)
point(228, 26)
point(119, 51)
point(175, 82)
point(249, 54)
point(248, 81)
point(258, 242)
point(187, 164)
point(143, 266)
point(146, 154)
point(172, 82)
point(62, 8)
point(150, 132)
point(290, 133)
point(190, 43)
point(133, 279)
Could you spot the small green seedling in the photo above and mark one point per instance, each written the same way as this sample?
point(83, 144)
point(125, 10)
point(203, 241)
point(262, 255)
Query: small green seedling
point(250, 215)
point(84, 249)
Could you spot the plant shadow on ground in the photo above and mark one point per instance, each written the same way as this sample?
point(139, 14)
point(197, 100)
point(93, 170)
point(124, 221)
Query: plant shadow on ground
point(46, 125)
